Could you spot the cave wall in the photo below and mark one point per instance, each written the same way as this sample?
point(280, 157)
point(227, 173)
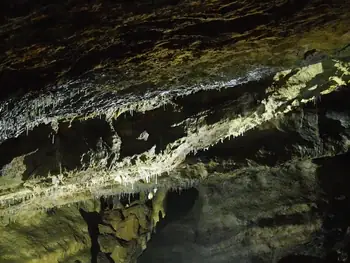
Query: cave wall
point(180, 131)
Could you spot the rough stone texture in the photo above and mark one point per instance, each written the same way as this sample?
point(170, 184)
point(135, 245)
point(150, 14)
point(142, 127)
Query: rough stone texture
point(294, 212)
point(59, 174)
point(141, 45)
point(124, 231)
point(248, 101)
point(59, 235)
point(256, 215)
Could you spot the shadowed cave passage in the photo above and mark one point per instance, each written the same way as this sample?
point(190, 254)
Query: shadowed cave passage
point(333, 207)
point(179, 208)
point(335, 202)
point(92, 220)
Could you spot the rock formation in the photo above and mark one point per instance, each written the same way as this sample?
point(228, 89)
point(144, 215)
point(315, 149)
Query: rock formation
point(174, 131)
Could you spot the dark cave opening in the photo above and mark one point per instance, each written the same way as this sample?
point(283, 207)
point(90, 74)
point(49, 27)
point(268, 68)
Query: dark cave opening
point(335, 200)
point(179, 205)
point(92, 220)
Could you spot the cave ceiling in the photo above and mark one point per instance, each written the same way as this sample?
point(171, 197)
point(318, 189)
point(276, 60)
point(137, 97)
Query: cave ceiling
point(104, 98)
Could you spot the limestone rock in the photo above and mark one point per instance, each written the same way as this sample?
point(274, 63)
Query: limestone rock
point(128, 229)
point(142, 213)
point(107, 242)
point(102, 258)
point(120, 254)
point(158, 206)
point(113, 218)
point(113, 98)
point(105, 229)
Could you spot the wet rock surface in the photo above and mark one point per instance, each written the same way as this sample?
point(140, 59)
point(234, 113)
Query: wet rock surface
point(174, 131)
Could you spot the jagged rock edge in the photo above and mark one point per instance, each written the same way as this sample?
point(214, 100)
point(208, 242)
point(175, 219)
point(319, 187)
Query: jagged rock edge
point(61, 103)
point(124, 173)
